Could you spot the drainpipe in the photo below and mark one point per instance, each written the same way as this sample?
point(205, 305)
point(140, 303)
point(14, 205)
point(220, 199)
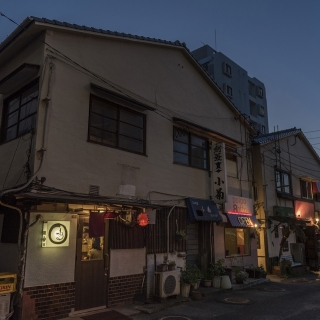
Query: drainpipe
point(167, 257)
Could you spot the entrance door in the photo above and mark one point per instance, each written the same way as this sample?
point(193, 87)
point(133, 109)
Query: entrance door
point(91, 269)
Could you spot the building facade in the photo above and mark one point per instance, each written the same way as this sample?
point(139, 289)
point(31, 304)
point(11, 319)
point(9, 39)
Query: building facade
point(246, 93)
point(286, 172)
point(100, 128)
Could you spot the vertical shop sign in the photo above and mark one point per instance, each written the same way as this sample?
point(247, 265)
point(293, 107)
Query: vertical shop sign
point(219, 173)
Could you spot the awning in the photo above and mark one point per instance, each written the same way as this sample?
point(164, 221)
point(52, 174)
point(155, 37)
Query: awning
point(202, 210)
point(242, 220)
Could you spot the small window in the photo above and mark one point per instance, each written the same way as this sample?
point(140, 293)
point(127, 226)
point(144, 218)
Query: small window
point(263, 129)
point(306, 189)
point(229, 91)
point(237, 241)
point(189, 149)
point(283, 182)
point(261, 111)
point(252, 89)
point(259, 91)
point(115, 126)
point(19, 113)
point(228, 70)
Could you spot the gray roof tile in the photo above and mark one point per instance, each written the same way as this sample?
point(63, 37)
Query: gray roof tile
point(269, 137)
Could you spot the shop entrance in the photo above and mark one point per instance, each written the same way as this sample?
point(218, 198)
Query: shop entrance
point(91, 268)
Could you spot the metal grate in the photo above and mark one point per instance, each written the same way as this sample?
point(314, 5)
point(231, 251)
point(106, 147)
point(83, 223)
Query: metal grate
point(94, 190)
point(169, 285)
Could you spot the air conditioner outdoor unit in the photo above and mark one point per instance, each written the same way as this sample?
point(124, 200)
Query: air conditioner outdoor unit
point(167, 283)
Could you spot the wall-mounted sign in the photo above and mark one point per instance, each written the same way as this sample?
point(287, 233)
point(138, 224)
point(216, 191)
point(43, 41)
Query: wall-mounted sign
point(245, 222)
point(239, 205)
point(55, 234)
point(219, 173)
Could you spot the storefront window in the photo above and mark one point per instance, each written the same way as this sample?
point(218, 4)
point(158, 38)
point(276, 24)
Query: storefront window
point(92, 248)
point(237, 241)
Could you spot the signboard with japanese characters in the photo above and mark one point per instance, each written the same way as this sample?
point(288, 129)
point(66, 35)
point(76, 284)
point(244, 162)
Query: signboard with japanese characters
point(239, 205)
point(55, 234)
point(219, 173)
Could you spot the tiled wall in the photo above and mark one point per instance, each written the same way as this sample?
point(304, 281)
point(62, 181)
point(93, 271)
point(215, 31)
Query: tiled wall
point(122, 289)
point(49, 302)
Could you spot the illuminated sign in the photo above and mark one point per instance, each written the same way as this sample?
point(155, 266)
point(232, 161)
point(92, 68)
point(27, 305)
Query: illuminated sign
point(245, 222)
point(239, 205)
point(55, 234)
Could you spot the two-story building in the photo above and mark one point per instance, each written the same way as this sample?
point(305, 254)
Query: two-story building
point(286, 172)
point(98, 129)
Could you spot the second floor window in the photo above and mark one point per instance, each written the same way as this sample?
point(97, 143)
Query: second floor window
point(306, 189)
point(283, 182)
point(19, 113)
point(189, 149)
point(115, 126)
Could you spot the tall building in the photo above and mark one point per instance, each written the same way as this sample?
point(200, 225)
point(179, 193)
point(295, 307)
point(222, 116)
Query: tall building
point(247, 94)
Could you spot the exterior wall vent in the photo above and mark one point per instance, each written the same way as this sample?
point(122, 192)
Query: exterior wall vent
point(94, 190)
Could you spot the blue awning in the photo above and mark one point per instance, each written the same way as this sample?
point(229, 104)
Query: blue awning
point(242, 220)
point(202, 210)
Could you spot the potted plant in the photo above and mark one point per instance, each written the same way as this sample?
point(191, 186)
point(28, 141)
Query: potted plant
point(187, 277)
point(241, 276)
point(196, 276)
point(171, 265)
point(217, 270)
point(262, 272)
point(181, 235)
point(207, 280)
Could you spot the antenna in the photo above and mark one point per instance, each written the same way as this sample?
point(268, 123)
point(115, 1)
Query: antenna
point(215, 39)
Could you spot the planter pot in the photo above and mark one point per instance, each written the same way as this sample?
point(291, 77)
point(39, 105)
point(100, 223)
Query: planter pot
point(196, 295)
point(207, 283)
point(225, 282)
point(217, 281)
point(228, 272)
point(162, 267)
point(185, 290)
point(179, 238)
point(194, 286)
point(171, 267)
point(251, 273)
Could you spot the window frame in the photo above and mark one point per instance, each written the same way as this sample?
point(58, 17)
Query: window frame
point(6, 102)
point(282, 185)
point(228, 69)
point(119, 108)
point(189, 154)
point(302, 181)
point(229, 91)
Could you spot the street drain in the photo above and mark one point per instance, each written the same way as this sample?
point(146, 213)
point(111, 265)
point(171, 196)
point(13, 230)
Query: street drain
point(175, 318)
point(274, 289)
point(237, 300)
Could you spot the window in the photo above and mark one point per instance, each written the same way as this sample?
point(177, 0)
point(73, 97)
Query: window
point(229, 91)
point(263, 129)
point(19, 113)
point(228, 69)
point(189, 149)
point(115, 126)
point(283, 182)
point(260, 92)
point(306, 189)
point(261, 111)
point(237, 241)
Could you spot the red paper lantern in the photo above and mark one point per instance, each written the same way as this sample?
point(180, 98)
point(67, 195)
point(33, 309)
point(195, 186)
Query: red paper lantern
point(143, 219)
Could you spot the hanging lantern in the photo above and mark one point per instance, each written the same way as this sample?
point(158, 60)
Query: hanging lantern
point(143, 219)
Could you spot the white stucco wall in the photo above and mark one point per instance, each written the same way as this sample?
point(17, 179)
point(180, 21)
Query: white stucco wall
point(50, 265)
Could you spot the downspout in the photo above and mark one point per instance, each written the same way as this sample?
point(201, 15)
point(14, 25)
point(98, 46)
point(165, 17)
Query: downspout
point(168, 235)
point(211, 197)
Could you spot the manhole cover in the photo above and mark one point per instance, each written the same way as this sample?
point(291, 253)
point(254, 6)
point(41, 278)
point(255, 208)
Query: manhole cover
point(175, 318)
point(237, 300)
point(274, 289)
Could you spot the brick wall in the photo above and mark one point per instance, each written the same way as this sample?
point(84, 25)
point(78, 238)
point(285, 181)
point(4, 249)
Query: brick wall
point(122, 289)
point(49, 302)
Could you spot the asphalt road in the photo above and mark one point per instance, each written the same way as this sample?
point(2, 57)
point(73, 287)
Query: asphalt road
point(296, 299)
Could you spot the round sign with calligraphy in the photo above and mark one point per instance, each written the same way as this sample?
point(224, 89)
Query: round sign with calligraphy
point(58, 233)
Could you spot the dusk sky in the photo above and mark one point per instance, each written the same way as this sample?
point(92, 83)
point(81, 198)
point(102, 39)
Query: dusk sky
point(276, 41)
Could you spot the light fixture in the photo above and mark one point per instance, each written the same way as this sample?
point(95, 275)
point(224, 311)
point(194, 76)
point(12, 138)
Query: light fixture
point(143, 219)
point(317, 220)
